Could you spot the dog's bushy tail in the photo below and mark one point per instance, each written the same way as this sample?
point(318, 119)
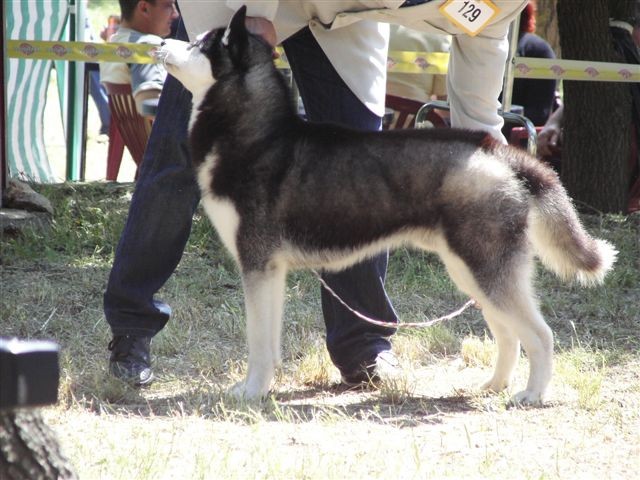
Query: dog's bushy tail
point(558, 237)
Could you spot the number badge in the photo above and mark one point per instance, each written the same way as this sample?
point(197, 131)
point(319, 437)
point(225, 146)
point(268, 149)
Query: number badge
point(470, 15)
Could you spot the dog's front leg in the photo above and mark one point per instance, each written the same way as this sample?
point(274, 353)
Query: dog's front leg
point(264, 297)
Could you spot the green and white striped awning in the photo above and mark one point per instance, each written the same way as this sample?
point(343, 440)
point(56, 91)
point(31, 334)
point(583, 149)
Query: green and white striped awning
point(26, 83)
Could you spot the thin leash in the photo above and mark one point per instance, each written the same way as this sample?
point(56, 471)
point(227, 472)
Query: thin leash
point(381, 323)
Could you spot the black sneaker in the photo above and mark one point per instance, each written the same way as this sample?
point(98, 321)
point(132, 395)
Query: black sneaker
point(384, 367)
point(130, 359)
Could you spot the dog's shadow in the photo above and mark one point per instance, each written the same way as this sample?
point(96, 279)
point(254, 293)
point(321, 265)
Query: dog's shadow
point(301, 405)
point(401, 409)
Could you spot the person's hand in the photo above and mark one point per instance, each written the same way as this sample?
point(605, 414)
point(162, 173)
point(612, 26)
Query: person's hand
point(549, 140)
point(263, 28)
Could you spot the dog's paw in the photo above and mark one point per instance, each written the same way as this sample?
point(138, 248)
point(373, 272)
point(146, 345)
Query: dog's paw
point(244, 391)
point(495, 385)
point(526, 398)
point(237, 392)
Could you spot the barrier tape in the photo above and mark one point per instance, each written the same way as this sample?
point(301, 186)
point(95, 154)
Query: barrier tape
point(524, 67)
point(397, 61)
point(81, 51)
point(575, 70)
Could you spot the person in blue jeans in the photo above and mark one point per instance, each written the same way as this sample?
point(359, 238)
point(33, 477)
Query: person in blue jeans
point(159, 224)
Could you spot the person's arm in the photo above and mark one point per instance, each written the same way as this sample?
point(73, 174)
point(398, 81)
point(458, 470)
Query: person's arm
point(143, 95)
point(262, 9)
point(474, 82)
point(201, 16)
point(147, 81)
point(550, 137)
point(476, 72)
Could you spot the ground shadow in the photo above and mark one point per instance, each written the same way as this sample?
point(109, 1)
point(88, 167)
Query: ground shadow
point(301, 405)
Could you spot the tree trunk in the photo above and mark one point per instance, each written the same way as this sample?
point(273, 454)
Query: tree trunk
point(547, 23)
point(29, 449)
point(597, 115)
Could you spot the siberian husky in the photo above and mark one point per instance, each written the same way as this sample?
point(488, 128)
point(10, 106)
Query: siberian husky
point(286, 194)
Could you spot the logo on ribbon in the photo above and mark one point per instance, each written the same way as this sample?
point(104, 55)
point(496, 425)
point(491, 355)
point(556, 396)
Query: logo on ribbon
point(421, 62)
point(26, 49)
point(59, 50)
point(592, 72)
point(91, 51)
point(624, 73)
point(123, 52)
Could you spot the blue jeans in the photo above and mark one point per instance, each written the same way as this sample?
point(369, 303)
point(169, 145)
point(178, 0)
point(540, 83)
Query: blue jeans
point(99, 95)
point(166, 195)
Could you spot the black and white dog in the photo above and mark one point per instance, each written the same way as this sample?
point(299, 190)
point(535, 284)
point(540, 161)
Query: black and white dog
point(285, 194)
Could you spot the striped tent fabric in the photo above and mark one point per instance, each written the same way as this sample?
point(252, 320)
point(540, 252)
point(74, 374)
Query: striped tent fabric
point(27, 82)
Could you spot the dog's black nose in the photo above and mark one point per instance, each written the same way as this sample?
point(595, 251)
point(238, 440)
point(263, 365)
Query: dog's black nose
point(163, 43)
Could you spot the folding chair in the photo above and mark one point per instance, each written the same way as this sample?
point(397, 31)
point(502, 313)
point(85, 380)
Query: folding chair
point(128, 128)
point(402, 113)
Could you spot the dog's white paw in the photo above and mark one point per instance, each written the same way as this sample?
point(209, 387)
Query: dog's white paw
point(495, 385)
point(248, 391)
point(526, 398)
point(237, 391)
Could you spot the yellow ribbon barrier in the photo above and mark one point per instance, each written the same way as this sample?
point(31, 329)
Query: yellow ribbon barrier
point(575, 70)
point(81, 51)
point(435, 63)
point(524, 67)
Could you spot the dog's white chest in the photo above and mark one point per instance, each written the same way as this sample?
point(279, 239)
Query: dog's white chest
point(222, 212)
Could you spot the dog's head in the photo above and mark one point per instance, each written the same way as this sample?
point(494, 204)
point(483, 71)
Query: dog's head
point(213, 55)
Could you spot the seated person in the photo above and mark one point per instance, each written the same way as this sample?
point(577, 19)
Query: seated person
point(142, 21)
point(534, 95)
point(626, 40)
point(550, 139)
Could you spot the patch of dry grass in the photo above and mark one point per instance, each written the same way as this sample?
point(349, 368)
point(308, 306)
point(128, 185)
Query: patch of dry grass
point(430, 422)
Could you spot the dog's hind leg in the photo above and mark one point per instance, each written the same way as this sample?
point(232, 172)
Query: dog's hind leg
point(513, 318)
point(511, 311)
point(508, 351)
point(505, 337)
point(264, 296)
point(537, 340)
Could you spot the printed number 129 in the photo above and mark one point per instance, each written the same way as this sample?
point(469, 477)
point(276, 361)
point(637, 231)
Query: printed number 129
point(471, 11)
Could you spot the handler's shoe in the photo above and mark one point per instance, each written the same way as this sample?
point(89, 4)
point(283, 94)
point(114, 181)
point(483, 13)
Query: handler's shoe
point(384, 368)
point(131, 359)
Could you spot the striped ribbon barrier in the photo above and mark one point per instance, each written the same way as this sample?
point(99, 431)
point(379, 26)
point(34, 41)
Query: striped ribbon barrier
point(81, 51)
point(397, 61)
point(524, 67)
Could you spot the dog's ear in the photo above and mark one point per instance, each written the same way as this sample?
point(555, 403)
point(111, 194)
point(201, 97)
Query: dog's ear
point(236, 36)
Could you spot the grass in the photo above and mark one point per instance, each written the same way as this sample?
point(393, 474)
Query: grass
point(431, 422)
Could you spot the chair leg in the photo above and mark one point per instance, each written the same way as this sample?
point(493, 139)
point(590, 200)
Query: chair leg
point(114, 155)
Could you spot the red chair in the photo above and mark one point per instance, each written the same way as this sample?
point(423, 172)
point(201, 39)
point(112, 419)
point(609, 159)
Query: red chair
point(128, 128)
point(402, 113)
point(519, 136)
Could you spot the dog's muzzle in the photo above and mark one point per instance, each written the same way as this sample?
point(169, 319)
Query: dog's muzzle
point(160, 55)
